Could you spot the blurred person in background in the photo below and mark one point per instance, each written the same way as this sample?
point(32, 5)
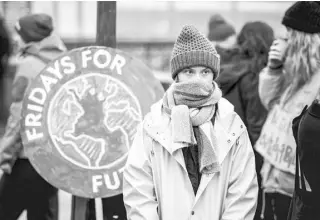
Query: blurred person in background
point(222, 35)
point(23, 188)
point(5, 48)
point(5, 53)
point(290, 81)
point(239, 82)
point(191, 157)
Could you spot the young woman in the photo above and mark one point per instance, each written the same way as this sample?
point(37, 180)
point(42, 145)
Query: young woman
point(289, 82)
point(192, 157)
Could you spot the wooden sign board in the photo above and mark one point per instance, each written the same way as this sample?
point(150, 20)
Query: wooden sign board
point(80, 116)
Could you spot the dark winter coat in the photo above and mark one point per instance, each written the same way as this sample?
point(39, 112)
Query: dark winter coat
point(240, 86)
point(239, 76)
point(306, 127)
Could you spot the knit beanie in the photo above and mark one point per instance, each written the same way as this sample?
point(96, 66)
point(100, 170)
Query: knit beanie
point(219, 29)
point(192, 48)
point(34, 27)
point(303, 16)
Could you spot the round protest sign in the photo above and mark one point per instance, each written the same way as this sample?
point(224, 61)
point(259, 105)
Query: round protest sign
point(80, 116)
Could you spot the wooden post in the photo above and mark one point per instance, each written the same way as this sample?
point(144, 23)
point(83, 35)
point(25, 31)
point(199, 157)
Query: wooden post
point(106, 24)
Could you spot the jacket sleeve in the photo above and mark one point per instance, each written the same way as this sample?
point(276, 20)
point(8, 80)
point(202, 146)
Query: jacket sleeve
point(242, 193)
point(10, 143)
point(138, 188)
point(270, 82)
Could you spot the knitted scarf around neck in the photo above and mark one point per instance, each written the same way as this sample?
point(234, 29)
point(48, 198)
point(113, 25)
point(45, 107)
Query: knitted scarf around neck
point(191, 106)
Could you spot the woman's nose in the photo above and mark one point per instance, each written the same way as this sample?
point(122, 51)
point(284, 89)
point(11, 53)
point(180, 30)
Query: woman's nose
point(198, 75)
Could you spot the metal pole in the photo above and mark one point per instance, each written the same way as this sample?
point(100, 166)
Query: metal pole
point(106, 36)
point(106, 24)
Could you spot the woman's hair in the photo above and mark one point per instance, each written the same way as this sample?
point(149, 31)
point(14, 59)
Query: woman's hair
point(254, 41)
point(302, 61)
point(249, 56)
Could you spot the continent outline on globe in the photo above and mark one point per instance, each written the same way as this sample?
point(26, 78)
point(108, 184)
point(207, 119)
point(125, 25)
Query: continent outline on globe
point(135, 112)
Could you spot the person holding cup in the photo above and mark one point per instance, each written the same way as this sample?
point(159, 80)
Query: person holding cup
point(290, 81)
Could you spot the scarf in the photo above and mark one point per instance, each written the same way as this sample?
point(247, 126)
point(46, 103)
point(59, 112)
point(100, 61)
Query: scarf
point(191, 106)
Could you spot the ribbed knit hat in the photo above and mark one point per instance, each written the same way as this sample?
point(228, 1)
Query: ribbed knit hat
point(34, 27)
point(303, 16)
point(192, 48)
point(219, 29)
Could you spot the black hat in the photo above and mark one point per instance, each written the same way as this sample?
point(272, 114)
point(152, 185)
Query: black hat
point(303, 16)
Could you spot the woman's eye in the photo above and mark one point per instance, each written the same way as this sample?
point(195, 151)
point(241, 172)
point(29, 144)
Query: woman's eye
point(188, 72)
point(206, 72)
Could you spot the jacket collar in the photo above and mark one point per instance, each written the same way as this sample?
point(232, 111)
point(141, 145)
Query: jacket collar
point(228, 127)
point(52, 42)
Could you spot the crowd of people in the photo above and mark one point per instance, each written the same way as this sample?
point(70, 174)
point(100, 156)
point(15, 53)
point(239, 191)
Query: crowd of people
point(234, 136)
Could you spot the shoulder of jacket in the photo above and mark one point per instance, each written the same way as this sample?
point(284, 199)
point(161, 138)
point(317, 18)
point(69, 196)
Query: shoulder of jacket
point(238, 133)
point(29, 67)
point(230, 120)
point(156, 118)
point(145, 136)
point(236, 121)
point(25, 57)
point(27, 64)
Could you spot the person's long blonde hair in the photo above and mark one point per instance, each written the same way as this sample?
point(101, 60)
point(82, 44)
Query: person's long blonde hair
point(302, 60)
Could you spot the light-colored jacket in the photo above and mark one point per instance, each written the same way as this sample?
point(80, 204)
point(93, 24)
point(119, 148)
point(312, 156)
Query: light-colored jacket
point(156, 184)
point(33, 59)
point(274, 179)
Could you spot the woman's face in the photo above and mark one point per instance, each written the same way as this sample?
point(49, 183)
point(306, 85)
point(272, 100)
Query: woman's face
point(196, 73)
